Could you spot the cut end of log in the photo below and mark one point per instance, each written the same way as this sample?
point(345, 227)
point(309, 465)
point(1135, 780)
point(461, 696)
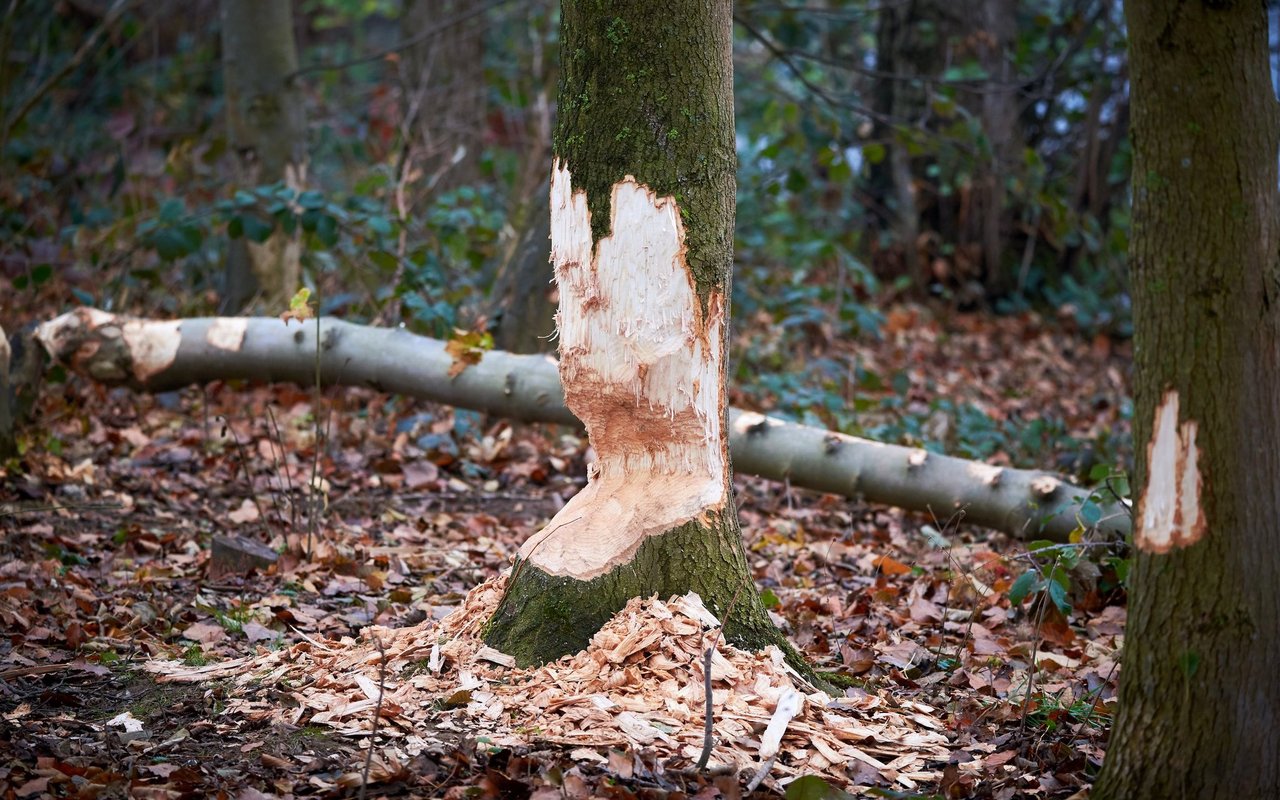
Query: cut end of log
point(1169, 511)
point(641, 360)
point(111, 348)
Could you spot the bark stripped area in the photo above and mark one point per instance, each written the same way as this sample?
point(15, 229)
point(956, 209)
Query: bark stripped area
point(641, 364)
point(1169, 512)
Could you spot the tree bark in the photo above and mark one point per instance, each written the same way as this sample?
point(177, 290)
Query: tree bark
point(642, 206)
point(1199, 699)
point(157, 356)
point(267, 128)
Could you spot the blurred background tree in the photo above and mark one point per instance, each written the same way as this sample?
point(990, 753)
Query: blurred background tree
point(970, 155)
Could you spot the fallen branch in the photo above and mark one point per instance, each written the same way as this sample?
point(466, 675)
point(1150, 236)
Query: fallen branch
point(156, 356)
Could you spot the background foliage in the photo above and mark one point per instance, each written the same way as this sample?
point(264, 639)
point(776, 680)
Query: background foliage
point(956, 157)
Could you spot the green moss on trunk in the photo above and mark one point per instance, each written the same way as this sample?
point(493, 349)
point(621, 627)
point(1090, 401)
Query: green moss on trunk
point(647, 90)
point(543, 617)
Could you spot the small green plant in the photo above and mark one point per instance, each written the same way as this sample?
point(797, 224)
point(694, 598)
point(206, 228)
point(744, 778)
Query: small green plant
point(193, 656)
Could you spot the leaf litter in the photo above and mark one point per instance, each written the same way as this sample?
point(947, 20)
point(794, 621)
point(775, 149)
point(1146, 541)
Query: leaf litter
point(105, 568)
point(639, 685)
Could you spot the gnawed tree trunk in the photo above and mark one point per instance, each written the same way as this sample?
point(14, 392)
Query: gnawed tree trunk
point(266, 123)
point(1200, 697)
point(642, 202)
point(157, 356)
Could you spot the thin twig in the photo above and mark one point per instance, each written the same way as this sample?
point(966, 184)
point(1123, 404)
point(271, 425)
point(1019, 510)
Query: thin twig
point(377, 714)
point(417, 38)
point(708, 740)
point(312, 513)
point(244, 464)
point(282, 468)
point(90, 43)
point(275, 464)
point(15, 509)
point(1035, 650)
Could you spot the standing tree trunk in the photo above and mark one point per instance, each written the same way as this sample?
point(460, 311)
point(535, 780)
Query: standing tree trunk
point(268, 132)
point(994, 38)
point(911, 46)
point(1200, 697)
point(444, 94)
point(522, 300)
point(642, 203)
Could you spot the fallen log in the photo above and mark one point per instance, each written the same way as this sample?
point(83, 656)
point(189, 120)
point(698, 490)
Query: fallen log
point(152, 355)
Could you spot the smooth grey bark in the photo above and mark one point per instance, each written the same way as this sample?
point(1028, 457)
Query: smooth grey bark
point(1027, 504)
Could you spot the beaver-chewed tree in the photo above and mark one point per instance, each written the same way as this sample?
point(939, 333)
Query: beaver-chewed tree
point(1199, 708)
point(642, 205)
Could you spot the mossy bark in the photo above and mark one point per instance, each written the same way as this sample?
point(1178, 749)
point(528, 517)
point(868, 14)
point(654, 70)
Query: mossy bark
point(266, 124)
point(646, 93)
point(1199, 708)
point(646, 90)
point(543, 617)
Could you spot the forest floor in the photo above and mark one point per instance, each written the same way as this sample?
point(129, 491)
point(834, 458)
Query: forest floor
point(107, 580)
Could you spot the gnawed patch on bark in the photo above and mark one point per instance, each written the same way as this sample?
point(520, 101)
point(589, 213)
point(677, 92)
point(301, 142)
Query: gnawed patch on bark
point(641, 357)
point(227, 333)
point(153, 345)
point(1170, 514)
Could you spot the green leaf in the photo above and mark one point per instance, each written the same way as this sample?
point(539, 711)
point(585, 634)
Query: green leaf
point(1038, 544)
point(811, 787)
point(327, 230)
point(1090, 513)
point(1099, 473)
point(172, 210)
point(256, 229)
point(769, 599)
point(1022, 587)
point(310, 200)
point(1058, 594)
point(41, 274)
point(380, 226)
point(384, 260)
point(873, 152)
point(171, 244)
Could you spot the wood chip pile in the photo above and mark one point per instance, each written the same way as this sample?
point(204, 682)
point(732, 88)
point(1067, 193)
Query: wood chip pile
point(639, 686)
